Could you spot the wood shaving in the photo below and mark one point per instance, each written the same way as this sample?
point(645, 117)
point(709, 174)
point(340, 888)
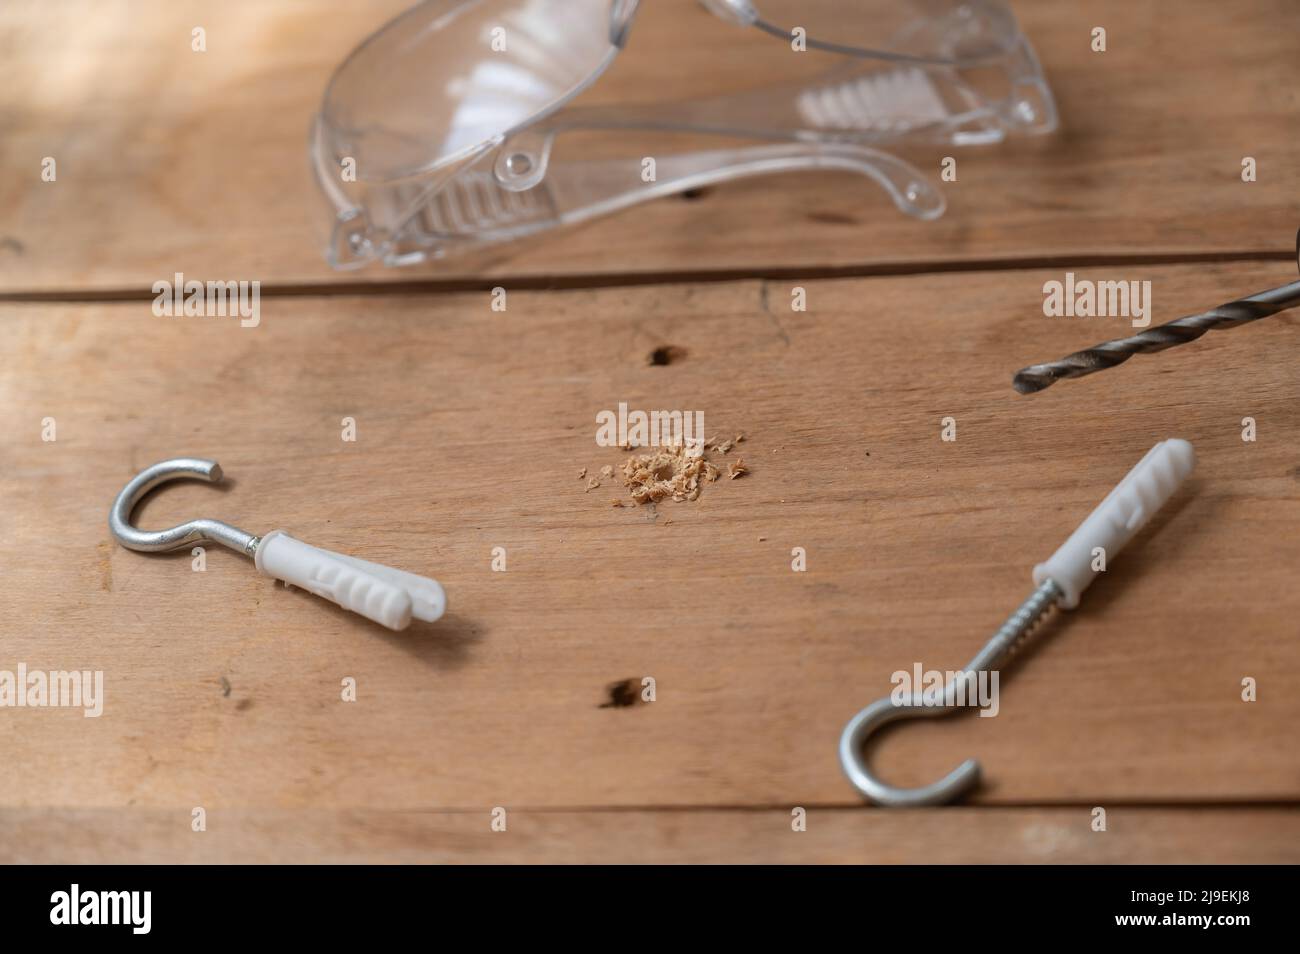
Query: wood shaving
point(722, 446)
point(737, 469)
point(582, 473)
point(592, 485)
point(607, 471)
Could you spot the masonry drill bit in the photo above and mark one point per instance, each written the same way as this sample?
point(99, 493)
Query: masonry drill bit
point(1176, 332)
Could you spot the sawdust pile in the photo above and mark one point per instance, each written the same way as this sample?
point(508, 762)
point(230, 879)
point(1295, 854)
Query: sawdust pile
point(672, 472)
point(668, 472)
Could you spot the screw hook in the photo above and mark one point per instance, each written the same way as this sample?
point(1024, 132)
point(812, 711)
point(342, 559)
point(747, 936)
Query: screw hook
point(1060, 580)
point(182, 535)
point(884, 711)
point(380, 593)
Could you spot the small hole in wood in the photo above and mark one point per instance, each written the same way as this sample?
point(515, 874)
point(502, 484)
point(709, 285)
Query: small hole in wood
point(666, 354)
point(621, 694)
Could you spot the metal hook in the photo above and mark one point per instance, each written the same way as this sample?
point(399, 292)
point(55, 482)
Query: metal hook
point(157, 541)
point(883, 711)
point(1061, 580)
point(386, 595)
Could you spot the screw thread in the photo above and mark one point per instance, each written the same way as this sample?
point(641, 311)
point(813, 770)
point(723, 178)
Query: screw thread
point(1012, 634)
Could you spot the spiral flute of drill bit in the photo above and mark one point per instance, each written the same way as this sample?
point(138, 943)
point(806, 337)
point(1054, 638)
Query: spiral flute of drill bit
point(1176, 332)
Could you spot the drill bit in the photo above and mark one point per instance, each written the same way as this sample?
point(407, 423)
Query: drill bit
point(1176, 332)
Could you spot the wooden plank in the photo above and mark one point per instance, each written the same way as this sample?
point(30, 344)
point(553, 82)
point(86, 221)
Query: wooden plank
point(224, 690)
point(170, 160)
point(833, 836)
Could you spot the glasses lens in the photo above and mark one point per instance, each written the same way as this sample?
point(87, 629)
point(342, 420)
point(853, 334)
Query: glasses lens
point(448, 75)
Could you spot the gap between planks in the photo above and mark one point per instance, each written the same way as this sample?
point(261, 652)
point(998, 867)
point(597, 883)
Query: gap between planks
point(572, 282)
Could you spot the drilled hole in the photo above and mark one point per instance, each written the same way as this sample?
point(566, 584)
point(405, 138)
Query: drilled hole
point(666, 354)
point(621, 694)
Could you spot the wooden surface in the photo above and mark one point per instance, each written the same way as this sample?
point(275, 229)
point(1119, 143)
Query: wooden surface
point(702, 836)
point(223, 690)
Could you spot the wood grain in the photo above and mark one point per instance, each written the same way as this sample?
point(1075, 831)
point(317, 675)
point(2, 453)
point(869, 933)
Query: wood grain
point(472, 428)
point(170, 160)
point(223, 689)
point(857, 836)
